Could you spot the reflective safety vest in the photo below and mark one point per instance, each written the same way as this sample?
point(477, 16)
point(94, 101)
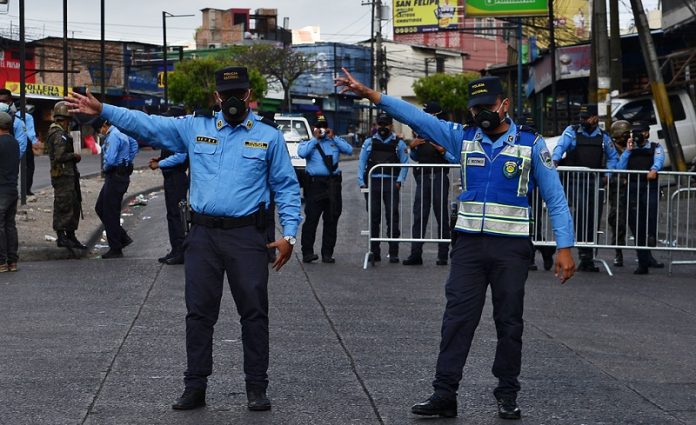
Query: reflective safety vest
point(494, 190)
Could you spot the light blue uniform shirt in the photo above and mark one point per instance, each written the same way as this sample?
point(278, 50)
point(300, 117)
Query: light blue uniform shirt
point(401, 149)
point(568, 139)
point(332, 148)
point(658, 157)
point(173, 160)
point(20, 133)
point(451, 136)
point(233, 169)
point(116, 149)
point(31, 129)
point(132, 149)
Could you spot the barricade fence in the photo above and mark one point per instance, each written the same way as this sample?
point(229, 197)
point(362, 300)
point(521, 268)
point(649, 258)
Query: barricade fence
point(611, 209)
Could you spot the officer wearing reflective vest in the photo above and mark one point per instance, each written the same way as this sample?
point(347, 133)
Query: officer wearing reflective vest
point(236, 160)
point(500, 165)
point(585, 145)
point(322, 189)
point(384, 147)
point(432, 189)
point(643, 191)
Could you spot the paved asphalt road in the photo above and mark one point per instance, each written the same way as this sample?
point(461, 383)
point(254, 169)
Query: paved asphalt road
point(90, 165)
point(101, 342)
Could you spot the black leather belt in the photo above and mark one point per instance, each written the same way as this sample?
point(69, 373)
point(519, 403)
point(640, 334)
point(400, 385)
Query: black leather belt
point(215, 222)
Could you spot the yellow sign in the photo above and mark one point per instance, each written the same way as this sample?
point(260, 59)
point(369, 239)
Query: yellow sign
point(36, 89)
point(572, 24)
point(413, 16)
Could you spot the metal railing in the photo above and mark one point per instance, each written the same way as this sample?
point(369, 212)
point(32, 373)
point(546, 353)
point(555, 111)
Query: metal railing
point(611, 209)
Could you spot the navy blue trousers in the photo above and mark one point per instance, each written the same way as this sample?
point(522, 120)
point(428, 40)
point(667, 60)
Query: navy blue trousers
point(477, 261)
point(432, 190)
point(240, 254)
point(108, 208)
point(175, 188)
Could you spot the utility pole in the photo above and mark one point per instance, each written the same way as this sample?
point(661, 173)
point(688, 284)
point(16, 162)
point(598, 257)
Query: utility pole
point(22, 99)
point(659, 92)
point(378, 46)
point(552, 51)
point(602, 58)
point(65, 47)
point(616, 68)
point(102, 58)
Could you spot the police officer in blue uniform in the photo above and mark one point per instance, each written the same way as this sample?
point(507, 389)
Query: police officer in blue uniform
point(236, 160)
point(501, 164)
point(432, 190)
point(32, 140)
point(117, 168)
point(18, 130)
point(586, 145)
point(173, 166)
point(384, 147)
point(643, 191)
point(322, 189)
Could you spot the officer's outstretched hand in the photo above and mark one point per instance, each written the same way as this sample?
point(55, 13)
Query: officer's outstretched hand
point(350, 84)
point(81, 104)
point(565, 265)
point(284, 252)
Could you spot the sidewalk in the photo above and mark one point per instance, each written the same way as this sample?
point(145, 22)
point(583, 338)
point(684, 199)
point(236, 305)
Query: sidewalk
point(35, 219)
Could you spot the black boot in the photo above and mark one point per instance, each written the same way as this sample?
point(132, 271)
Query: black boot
point(257, 400)
point(192, 398)
point(63, 241)
point(618, 259)
point(507, 407)
point(436, 406)
point(76, 243)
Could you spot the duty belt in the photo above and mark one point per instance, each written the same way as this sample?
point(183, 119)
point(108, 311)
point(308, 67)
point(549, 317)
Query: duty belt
point(215, 222)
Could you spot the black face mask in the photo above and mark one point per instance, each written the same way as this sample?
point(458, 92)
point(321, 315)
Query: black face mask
point(589, 128)
point(234, 110)
point(638, 138)
point(487, 120)
point(383, 132)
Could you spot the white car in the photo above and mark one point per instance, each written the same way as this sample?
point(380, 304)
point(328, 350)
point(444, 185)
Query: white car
point(295, 130)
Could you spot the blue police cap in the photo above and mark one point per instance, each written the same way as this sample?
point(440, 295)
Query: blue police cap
point(484, 91)
point(232, 78)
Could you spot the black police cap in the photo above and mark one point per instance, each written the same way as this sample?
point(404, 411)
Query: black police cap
point(174, 111)
point(232, 78)
point(98, 123)
point(384, 119)
point(432, 108)
point(640, 126)
point(321, 122)
point(484, 91)
point(588, 110)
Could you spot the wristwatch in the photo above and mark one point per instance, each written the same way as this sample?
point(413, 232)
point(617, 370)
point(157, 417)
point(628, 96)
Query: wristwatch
point(291, 240)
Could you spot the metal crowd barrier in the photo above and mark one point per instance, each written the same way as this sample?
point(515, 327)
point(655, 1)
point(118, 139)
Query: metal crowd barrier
point(611, 209)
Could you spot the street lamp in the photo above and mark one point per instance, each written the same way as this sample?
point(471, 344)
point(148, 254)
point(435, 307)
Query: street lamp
point(166, 15)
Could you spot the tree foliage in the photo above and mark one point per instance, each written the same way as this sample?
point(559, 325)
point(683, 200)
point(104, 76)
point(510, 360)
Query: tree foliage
point(449, 90)
point(282, 64)
point(193, 81)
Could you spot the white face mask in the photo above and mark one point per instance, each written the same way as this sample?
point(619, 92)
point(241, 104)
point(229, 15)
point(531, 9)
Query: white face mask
point(4, 107)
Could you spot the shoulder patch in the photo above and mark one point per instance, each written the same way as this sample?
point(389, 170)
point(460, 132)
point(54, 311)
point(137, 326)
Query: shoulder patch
point(249, 124)
point(545, 157)
point(205, 139)
point(219, 124)
point(256, 144)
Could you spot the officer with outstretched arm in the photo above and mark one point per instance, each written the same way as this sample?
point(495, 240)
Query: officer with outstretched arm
point(236, 160)
point(501, 164)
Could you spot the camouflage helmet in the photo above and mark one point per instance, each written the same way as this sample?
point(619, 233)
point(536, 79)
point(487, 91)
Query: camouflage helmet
point(60, 110)
point(619, 128)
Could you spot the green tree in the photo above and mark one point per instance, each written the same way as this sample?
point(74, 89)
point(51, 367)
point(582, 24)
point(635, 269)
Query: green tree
point(282, 64)
point(193, 81)
point(451, 91)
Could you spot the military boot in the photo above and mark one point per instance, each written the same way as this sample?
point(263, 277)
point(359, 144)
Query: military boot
point(63, 241)
point(76, 243)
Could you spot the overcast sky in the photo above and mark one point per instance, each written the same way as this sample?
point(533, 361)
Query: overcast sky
point(141, 20)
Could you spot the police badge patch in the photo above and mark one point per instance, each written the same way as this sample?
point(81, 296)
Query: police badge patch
point(545, 157)
point(510, 169)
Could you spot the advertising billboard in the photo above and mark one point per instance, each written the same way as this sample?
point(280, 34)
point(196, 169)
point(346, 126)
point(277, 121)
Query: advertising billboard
point(416, 16)
point(506, 8)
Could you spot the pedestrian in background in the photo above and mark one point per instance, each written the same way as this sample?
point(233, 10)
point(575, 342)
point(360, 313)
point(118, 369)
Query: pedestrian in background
point(237, 160)
point(18, 129)
point(384, 147)
point(432, 190)
point(586, 145)
point(643, 191)
point(620, 132)
point(32, 143)
point(322, 189)
point(501, 164)
point(65, 179)
point(173, 166)
point(9, 173)
point(117, 168)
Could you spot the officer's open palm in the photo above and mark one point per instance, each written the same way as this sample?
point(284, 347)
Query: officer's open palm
point(565, 265)
point(81, 104)
point(284, 252)
point(350, 84)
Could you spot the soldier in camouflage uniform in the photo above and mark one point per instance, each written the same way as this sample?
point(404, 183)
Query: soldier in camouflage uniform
point(65, 179)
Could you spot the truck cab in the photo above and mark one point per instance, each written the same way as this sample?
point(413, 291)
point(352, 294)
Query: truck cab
point(295, 129)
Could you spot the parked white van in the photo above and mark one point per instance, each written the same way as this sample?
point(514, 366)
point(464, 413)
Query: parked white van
point(295, 130)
